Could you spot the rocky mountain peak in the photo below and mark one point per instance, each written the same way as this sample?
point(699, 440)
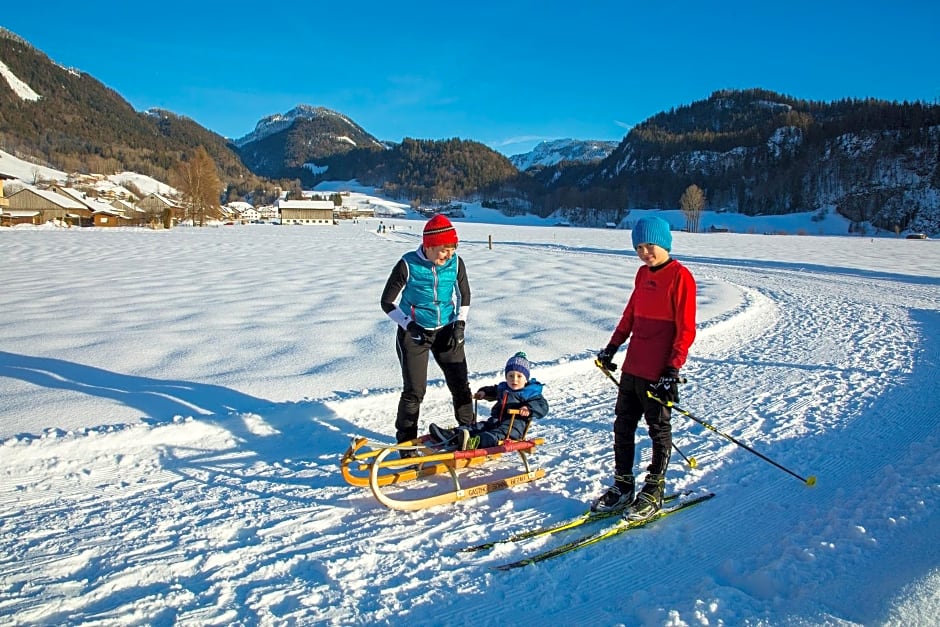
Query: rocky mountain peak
point(277, 122)
point(551, 153)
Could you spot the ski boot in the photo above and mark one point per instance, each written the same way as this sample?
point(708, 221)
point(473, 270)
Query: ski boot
point(617, 496)
point(649, 500)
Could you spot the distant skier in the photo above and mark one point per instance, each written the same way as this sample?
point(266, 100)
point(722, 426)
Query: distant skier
point(517, 392)
point(659, 320)
point(433, 294)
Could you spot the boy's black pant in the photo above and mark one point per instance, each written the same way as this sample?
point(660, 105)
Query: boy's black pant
point(632, 402)
point(414, 373)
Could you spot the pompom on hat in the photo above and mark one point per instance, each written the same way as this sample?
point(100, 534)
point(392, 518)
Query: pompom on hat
point(518, 363)
point(652, 230)
point(439, 232)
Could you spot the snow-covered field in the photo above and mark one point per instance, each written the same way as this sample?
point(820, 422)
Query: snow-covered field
point(174, 405)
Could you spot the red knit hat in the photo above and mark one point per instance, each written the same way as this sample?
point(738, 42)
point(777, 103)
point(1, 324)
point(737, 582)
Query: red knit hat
point(439, 232)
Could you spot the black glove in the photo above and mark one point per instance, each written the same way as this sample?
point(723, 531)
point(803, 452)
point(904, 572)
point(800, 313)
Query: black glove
point(419, 335)
point(606, 355)
point(456, 333)
point(667, 388)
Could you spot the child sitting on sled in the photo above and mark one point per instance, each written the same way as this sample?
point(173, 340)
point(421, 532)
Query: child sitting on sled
point(517, 392)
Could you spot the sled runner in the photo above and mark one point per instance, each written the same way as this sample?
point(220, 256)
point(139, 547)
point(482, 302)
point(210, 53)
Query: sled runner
point(381, 467)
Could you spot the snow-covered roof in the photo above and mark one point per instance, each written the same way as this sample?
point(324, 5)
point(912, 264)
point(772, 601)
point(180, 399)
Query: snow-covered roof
point(163, 199)
point(65, 202)
point(77, 195)
point(306, 204)
point(111, 211)
point(122, 204)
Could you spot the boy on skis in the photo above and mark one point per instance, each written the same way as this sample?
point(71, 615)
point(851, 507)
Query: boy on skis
point(517, 392)
point(659, 320)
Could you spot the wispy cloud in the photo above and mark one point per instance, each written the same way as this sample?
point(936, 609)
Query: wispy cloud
point(520, 139)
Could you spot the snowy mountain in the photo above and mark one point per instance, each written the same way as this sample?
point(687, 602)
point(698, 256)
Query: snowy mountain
point(278, 122)
point(282, 144)
point(554, 152)
point(63, 118)
point(759, 152)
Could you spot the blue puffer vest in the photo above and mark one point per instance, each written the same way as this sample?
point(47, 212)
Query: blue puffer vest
point(430, 297)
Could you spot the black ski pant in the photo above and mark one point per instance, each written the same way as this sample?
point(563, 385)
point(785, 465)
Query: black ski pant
point(414, 373)
point(632, 403)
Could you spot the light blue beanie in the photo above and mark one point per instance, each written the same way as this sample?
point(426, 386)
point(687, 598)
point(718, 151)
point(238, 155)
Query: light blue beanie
point(652, 230)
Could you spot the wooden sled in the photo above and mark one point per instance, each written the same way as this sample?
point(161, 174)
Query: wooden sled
point(362, 465)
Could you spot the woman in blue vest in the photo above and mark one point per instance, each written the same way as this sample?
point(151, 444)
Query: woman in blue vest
point(428, 296)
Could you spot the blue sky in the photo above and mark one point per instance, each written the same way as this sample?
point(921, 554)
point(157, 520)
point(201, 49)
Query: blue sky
point(507, 74)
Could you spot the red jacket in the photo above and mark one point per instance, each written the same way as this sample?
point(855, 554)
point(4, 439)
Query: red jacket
point(659, 319)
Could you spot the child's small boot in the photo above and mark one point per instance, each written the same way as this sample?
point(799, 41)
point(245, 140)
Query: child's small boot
point(464, 441)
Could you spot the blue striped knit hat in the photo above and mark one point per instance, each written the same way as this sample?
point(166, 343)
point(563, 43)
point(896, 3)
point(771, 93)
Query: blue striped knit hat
point(518, 363)
point(652, 230)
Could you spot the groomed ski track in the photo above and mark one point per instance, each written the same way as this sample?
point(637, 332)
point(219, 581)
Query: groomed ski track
point(824, 356)
point(829, 371)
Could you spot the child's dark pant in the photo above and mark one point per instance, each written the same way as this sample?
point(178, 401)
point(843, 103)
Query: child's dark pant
point(632, 403)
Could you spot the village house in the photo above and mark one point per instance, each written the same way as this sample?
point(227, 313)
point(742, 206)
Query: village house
point(5, 218)
point(37, 206)
point(229, 215)
point(3, 201)
point(306, 211)
point(131, 214)
point(268, 212)
point(72, 193)
point(155, 204)
point(104, 188)
point(105, 213)
point(250, 214)
point(107, 217)
point(234, 212)
point(117, 213)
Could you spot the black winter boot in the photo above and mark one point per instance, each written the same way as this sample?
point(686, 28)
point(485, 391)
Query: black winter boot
point(618, 496)
point(649, 500)
point(440, 434)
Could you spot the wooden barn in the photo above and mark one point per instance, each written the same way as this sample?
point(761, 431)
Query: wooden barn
point(155, 204)
point(50, 206)
point(132, 214)
point(318, 212)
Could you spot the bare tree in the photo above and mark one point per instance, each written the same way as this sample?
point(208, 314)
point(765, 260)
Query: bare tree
point(692, 204)
point(198, 180)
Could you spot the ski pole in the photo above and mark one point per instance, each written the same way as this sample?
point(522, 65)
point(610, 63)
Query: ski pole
point(810, 481)
point(691, 461)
